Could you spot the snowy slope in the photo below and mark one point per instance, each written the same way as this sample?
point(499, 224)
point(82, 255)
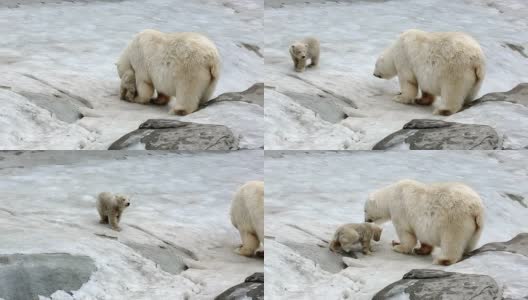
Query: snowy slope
point(48, 206)
point(352, 35)
point(308, 195)
point(69, 49)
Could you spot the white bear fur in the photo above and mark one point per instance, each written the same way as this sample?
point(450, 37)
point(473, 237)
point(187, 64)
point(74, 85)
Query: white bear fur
point(111, 207)
point(304, 50)
point(447, 64)
point(247, 215)
point(448, 215)
point(347, 235)
point(182, 65)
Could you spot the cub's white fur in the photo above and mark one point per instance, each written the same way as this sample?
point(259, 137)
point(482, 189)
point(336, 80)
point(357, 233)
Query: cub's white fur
point(185, 65)
point(111, 207)
point(247, 215)
point(447, 64)
point(346, 236)
point(448, 215)
point(304, 50)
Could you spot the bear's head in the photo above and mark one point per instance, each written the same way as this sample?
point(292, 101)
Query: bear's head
point(373, 212)
point(122, 201)
point(385, 67)
point(299, 50)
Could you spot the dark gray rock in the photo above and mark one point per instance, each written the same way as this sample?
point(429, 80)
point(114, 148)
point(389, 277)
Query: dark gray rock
point(159, 134)
point(251, 288)
point(325, 106)
point(322, 256)
point(25, 276)
point(58, 105)
point(169, 258)
point(425, 134)
point(518, 244)
point(436, 284)
point(518, 95)
point(255, 95)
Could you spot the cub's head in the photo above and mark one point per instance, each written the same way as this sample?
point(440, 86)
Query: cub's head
point(122, 201)
point(299, 50)
point(385, 67)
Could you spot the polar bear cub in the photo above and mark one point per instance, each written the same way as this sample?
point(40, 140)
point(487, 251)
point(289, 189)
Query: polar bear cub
point(304, 50)
point(247, 215)
point(449, 215)
point(446, 64)
point(111, 207)
point(346, 236)
point(181, 65)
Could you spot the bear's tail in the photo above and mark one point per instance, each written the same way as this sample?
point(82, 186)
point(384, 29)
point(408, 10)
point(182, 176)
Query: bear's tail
point(479, 225)
point(214, 70)
point(480, 73)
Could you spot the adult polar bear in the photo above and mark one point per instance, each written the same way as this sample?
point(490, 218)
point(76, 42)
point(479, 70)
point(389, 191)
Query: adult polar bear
point(447, 64)
point(449, 215)
point(185, 65)
point(247, 215)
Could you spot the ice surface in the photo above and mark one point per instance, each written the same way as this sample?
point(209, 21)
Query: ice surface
point(353, 34)
point(72, 46)
point(308, 195)
point(48, 206)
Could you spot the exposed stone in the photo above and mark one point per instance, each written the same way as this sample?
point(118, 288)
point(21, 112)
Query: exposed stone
point(425, 134)
point(518, 95)
point(519, 245)
point(322, 256)
point(436, 284)
point(251, 288)
point(255, 95)
point(161, 134)
point(170, 259)
point(26, 276)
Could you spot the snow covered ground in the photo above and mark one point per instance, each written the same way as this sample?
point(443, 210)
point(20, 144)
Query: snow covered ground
point(179, 200)
point(352, 35)
point(308, 195)
point(64, 51)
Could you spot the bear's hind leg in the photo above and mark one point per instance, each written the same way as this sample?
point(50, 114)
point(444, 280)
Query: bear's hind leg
point(250, 244)
point(314, 61)
point(104, 220)
point(452, 244)
point(409, 91)
point(189, 91)
point(451, 101)
point(424, 249)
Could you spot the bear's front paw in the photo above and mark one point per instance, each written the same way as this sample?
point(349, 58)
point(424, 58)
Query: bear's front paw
point(402, 99)
point(401, 249)
point(300, 70)
point(116, 228)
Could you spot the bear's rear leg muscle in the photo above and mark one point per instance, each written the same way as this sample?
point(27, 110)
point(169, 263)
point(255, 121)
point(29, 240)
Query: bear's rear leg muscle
point(250, 243)
point(451, 101)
